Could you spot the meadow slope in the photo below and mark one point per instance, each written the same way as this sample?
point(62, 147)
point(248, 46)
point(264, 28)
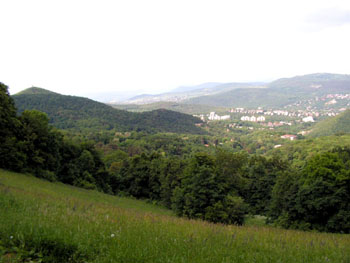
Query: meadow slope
point(52, 222)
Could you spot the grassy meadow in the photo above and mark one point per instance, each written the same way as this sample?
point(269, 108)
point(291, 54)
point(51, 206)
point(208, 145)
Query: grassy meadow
point(52, 222)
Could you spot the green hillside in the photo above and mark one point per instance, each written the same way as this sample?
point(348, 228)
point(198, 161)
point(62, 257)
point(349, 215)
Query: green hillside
point(319, 83)
point(52, 222)
point(174, 106)
point(252, 97)
point(280, 92)
point(71, 112)
point(339, 124)
point(35, 90)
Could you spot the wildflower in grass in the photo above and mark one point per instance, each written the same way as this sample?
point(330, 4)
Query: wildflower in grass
point(112, 235)
point(11, 237)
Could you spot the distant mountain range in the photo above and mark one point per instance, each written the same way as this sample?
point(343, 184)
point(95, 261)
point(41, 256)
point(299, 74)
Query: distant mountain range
point(207, 85)
point(70, 112)
point(276, 94)
point(185, 93)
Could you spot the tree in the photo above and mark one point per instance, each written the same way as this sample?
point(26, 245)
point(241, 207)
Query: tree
point(261, 175)
point(170, 178)
point(317, 199)
point(230, 168)
point(11, 156)
point(325, 193)
point(204, 193)
point(41, 143)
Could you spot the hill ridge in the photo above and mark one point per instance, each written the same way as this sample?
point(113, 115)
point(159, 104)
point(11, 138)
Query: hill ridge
point(339, 124)
point(73, 112)
point(35, 90)
point(279, 93)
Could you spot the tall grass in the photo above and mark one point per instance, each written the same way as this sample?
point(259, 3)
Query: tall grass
point(53, 222)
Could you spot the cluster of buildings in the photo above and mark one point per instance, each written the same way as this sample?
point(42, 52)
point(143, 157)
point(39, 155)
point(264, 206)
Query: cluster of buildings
point(253, 118)
point(336, 96)
point(262, 118)
point(260, 111)
point(214, 117)
point(301, 111)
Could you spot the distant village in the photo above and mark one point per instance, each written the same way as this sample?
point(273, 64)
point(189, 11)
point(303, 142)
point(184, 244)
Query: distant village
point(302, 111)
point(257, 116)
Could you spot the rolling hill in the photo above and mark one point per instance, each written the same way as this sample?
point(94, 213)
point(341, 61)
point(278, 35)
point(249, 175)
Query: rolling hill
point(174, 106)
point(71, 112)
point(339, 124)
point(319, 83)
point(253, 97)
point(279, 93)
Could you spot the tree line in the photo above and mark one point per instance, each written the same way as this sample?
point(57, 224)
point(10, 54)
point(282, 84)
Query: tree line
point(225, 186)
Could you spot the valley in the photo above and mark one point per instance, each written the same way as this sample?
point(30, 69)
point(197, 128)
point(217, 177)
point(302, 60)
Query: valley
point(175, 131)
point(163, 181)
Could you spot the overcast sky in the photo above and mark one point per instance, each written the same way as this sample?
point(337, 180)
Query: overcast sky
point(80, 47)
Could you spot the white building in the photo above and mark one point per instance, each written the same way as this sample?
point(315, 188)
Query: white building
point(333, 101)
point(245, 118)
point(211, 116)
point(225, 117)
point(253, 118)
point(215, 117)
point(288, 136)
point(261, 118)
point(308, 119)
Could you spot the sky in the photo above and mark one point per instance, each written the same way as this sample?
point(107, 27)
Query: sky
point(128, 47)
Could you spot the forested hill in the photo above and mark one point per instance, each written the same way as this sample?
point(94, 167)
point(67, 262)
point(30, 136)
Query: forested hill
point(339, 124)
point(71, 112)
point(280, 92)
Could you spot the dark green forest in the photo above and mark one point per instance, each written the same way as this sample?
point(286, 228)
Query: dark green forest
point(215, 183)
point(82, 114)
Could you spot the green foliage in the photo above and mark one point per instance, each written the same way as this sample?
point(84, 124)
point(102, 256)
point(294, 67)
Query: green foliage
point(320, 198)
point(9, 126)
point(40, 143)
point(261, 175)
point(204, 194)
point(231, 210)
point(298, 152)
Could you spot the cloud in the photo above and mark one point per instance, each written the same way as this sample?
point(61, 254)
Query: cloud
point(330, 17)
